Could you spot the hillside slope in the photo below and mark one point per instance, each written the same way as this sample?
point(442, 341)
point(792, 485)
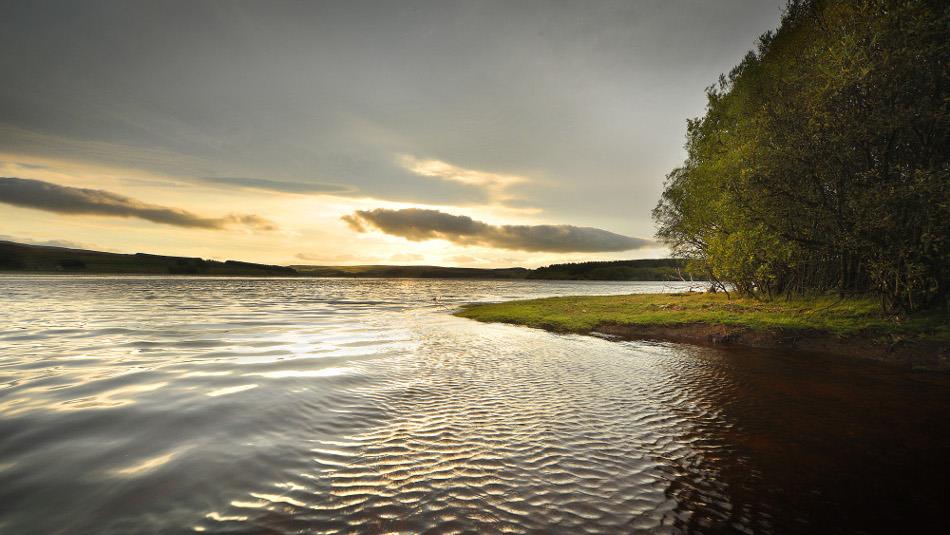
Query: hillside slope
point(41, 258)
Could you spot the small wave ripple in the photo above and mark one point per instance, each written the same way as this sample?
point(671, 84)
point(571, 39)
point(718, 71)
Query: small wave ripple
point(362, 406)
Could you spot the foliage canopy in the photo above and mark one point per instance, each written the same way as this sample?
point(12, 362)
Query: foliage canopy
point(821, 163)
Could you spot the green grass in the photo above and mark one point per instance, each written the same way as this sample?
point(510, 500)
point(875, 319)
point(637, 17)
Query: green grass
point(842, 317)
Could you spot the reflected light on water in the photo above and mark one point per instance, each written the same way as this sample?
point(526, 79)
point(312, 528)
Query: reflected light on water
point(230, 390)
point(338, 406)
point(224, 518)
point(278, 498)
point(281, 374)
point(146, 465)
point(108, 399)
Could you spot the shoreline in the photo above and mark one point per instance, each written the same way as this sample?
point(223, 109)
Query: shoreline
point(90, 274)
point(922, 356)
point(808, 325)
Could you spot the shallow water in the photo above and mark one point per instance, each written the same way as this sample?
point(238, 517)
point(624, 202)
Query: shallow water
point(335, 406)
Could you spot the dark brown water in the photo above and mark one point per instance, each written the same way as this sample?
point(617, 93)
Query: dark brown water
point(142, 405)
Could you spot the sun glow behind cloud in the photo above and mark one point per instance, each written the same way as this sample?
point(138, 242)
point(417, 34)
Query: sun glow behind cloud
point(309, 226)
point(497, 185)
point(301, 113)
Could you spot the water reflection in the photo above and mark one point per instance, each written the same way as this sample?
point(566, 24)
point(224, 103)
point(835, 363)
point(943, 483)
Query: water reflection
point(848, 448)
point(146, 465)
point(141, 405)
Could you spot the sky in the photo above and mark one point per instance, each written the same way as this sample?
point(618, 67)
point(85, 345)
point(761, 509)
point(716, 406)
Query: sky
point(475, 133)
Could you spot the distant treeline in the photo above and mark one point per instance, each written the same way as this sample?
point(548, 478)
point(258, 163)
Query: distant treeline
point(626, 270)
point(40, 258)
point(622, 270)
point(822, 161)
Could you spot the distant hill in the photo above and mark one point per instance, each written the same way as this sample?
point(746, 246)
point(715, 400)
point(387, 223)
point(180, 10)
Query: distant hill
point(19, 257)
point(662, 269)
point(41, 258)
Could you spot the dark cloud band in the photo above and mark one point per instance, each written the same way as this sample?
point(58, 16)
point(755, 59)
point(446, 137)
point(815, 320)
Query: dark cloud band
point(51, 197)
point(418, 224)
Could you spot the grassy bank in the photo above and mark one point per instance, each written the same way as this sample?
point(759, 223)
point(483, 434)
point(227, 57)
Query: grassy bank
point(848, 325)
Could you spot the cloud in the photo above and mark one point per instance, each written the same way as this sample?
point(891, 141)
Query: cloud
point(495, 184)
point(280, 185)
point(32, 166)
point(583, 97)
point(248, 220)
point(51, 197)
point(418, 224)
point(447, 171)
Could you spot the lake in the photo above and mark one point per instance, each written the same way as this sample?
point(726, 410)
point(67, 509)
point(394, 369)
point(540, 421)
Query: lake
point(143, 405)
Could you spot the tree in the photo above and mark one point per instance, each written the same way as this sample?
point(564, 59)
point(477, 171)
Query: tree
point(821, 163)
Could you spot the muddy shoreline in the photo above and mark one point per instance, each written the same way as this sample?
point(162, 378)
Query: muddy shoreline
point(904, 354)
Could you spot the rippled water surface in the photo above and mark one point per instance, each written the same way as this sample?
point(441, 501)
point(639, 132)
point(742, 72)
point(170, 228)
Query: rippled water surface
point(171, 405)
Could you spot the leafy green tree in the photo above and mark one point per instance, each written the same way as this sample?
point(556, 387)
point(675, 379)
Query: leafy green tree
point(821, 163)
